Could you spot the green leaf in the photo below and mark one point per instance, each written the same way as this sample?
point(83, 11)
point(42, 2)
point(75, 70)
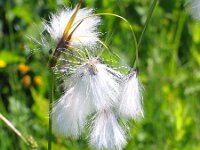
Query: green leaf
point(9, 57)
point(40, 107)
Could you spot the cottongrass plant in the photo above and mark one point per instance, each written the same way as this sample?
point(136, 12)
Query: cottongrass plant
point(95, 96)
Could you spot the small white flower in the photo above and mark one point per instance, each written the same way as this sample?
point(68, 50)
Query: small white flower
point(131, 99)
point(194, 8)
point(83, 34)
point(106, 132)
point(92, 87)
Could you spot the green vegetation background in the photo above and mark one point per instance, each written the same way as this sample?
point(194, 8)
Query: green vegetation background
point(169, 70)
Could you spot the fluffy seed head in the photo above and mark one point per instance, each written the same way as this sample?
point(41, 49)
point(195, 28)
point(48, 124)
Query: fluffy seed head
point(106, 132)
point(70, 113)
point(131, 98)
point(85, 34)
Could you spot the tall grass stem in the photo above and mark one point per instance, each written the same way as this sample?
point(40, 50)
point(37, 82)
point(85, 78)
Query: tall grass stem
point(151, 10)
point(11, 126)
point(51, 93)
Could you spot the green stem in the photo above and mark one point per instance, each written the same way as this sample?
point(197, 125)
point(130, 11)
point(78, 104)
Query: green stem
point(177, 39)
point(52, 80)
point(153, 5)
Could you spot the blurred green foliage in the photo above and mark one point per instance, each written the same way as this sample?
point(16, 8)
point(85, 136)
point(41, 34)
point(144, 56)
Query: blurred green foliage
point(169, 70)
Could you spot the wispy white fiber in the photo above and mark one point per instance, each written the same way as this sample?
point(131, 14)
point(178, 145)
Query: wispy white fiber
point(100, 82)
point(131, 99)
point(106, 132)
point(86, 33)
point(70, 112)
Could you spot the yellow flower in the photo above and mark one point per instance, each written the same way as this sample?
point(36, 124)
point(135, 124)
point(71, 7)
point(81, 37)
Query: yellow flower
point(26, 80)
point(37, 80)
point(23, 68)
point(2, 64)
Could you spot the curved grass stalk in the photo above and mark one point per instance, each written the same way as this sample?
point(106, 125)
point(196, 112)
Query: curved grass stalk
point(147, 22)
point(136, 44)
point(11, 126)
point(125, 20)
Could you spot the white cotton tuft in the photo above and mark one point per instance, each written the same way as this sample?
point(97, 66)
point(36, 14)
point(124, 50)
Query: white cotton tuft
point(85, 35)
point(99, 82)
point(131, 99)
point(194, 8)
point(106, 132)
point(70, 112)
